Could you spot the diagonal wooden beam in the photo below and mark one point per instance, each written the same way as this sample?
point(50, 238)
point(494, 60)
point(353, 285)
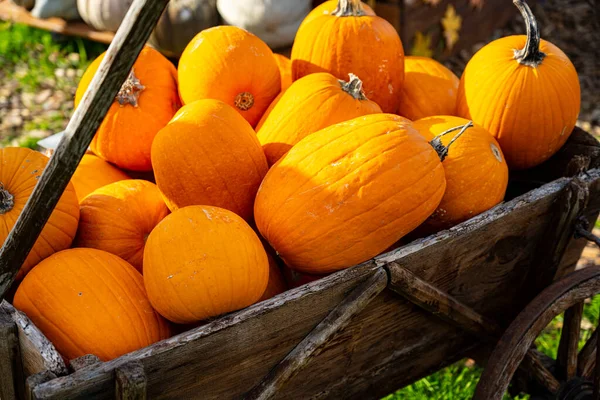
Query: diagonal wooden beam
point(335, 321)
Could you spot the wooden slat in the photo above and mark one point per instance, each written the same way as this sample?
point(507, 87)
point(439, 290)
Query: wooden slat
point(36, 379)
point(83, 362)
point(114, 69)
point(11, 374)
point(586, 359)
point(130, 382)
point(569, 339)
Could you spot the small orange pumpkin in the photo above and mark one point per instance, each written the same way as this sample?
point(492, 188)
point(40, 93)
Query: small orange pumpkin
point(429, 89)
point(285, 70)
point(88, 301)
point(328, 7)
point(119, 217)
point(93, 173)
point(347, 192)
point(524, 91)
point(20, 169)
point(475, 169)
point(310, 104)
point(350, 42)
point(208, 154)
point(203, 261)
point(276, 284)
point(146, 102)
point(230, 64)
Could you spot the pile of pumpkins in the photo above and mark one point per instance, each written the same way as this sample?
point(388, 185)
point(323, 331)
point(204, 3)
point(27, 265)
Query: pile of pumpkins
point(320, 162)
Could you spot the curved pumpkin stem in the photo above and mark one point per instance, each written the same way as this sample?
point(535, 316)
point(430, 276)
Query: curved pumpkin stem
point(348, 8)
point(130, 91)
point(244, 101)
point(353, 87)
point(439, 147)
point(7, 200)
point(529, 55)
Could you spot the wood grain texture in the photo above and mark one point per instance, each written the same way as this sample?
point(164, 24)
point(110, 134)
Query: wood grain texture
point(534, 365)
point(586, 360)
point(569, 339)
point(130, 381)
point(36, 379)
point(37, 352)
point(83, 362)
point(482, 263)
point(11, 375)
point(122, 53)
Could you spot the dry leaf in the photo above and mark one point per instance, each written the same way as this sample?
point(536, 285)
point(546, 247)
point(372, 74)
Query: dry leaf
point(422, 45)
point(451, 23)
point(478, 4)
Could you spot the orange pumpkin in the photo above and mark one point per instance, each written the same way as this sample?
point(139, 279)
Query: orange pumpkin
point(310, 104)
point(232, 65)
point(20, 169)
point(209, 155)
point(268, 111)
point(276, 284)
point(88, 301)
point(285, 70)
point(93, 173)
point(348, 41)
point(119, 217)
point(476, 172)
point(146, 102)
point(328, 7)
point(524, 91)
point(203, 261)
point(345, 193)
point(429, 89)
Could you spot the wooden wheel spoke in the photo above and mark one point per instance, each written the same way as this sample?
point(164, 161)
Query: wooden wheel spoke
point(569, 339)
point(587, 357)
point(596, 395)
point(534, 365)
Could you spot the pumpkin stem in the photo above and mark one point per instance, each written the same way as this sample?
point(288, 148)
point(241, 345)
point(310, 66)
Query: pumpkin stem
point(244, 101)
point(353, 87)
point(7, 200)
point(529, 55)
point(130, 91)
point(348, 8)
point(439, 147)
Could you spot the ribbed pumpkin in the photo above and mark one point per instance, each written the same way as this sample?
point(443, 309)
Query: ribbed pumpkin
point(276, 284)
point(119, 217)
point(20, 169)
point(525, 92)
point(310, 104)
point(88, 301)
point(348, 41)
point(344, 194)
point(327, 7)
point(429, 89)
point(476, 172)
point(147, 101)
point(203, 261)
point(209, 155)
point(268, 111)
point(232, 65)
point(285, 70)
point(93, 173)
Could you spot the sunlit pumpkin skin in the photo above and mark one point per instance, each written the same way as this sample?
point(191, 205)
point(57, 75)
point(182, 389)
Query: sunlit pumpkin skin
point(209, 155)
point(146, 103)
point(429, 89)
point(20, 170)
point(230, 64)
point(326, 8)
point(276, 284)
point(285, 70)
point(346, 193)
point(475, 169)
point(119, 217)
point(93, 173)
point(529, 103)
point(88, 301)
point(350, 42)
point(268, 111)
point(203, 261)
point(312, 103)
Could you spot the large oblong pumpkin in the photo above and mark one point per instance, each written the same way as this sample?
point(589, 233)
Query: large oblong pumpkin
point(310, 104)
point(230, 64)
point(203, 261)
point(345, 193)
point(119, 217)
point(429, 89)
point(92, 173)
point(524, 91)
point(88, 301)
point(348, 41)
point(20, 169)
point(475, 169)
point(146, 102)
point(209, 155)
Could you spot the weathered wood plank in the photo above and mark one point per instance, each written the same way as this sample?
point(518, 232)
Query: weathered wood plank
point(36, 379)
point(114, 69)
point(130, 381)
point(83, 362)
point(11, 374)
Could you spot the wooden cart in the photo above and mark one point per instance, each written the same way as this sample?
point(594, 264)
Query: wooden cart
point(359, 333)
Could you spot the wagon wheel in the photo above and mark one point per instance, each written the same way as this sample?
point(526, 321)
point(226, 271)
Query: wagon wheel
point(573, 375)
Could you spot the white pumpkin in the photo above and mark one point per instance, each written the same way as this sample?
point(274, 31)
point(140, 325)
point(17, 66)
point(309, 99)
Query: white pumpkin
point(103, 15)
point(274, 21)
